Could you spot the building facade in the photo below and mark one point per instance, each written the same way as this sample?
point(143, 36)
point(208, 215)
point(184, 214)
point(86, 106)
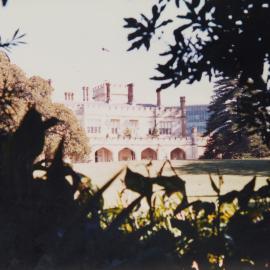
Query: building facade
point(119, 129)
point(197, 116)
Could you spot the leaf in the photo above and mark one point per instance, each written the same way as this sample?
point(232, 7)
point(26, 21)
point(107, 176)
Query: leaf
point(95, 199)
point(30, 144)
point(162, 8)
point(161, 169)
point(195, 3)
point(4, 2)
point(228, 197)
point(138, 183)
point(145, 18)
point(183, 205)
point(177, 3)
point(208, 207)
point(155, 12)
point(15, 34)
point(263, 192)
point(135, 45)
point(171, 184)
point(123, 215)
point(22, 42)
point(131, 23)
point(213, 185)
point(164, 23)
point(185, 227)
point(21, 36)
point(246, 193)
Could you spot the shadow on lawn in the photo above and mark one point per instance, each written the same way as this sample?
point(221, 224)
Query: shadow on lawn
point(231, 167)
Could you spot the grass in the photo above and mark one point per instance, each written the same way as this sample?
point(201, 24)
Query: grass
point(226, 167)
point(196, 174)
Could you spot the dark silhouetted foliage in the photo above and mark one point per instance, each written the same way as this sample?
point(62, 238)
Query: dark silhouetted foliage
point(16, 38)
point(53, 217)
point(221, 39)
point(227, 38)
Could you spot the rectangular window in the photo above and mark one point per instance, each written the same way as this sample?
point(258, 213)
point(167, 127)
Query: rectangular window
point(93, 130)
point(133, 123)
point(115, 126)
point(165, 128)
point(114, 130)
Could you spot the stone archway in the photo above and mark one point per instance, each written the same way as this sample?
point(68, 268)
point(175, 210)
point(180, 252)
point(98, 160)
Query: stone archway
point(149, 154)
point(126, 154)
point(103, 155)
point(177, 154)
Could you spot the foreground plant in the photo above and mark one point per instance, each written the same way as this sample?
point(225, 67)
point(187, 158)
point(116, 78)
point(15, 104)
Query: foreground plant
point(54, 218)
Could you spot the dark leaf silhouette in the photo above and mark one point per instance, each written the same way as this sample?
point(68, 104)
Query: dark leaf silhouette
point(171, 184)
point(185, 227)
point(228, 197)
point(213, 185)
point(220, 43)
point(4, 2)
point(123, 215)
point(138, 183)
point(246, 193)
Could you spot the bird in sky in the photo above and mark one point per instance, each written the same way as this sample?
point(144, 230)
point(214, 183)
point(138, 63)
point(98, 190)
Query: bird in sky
point(105, 50)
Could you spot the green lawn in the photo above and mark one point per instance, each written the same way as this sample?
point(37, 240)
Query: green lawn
point(226, 167)
point(236, 174)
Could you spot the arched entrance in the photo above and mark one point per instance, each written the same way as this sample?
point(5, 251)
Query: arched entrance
point(103, 155)
point(149, 154)
point(178, 154)
point(126, 154)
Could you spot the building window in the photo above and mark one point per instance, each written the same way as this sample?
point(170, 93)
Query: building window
point(115, 126)
point(93, 129)
point(115, 130)
point(133, 126)
point(133, 123)
point(165, 128)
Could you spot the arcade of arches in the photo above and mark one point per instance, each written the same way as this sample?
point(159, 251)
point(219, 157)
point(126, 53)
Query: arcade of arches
point(105, 155)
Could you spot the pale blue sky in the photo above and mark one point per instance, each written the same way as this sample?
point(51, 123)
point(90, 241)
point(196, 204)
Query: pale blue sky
point(65, 40)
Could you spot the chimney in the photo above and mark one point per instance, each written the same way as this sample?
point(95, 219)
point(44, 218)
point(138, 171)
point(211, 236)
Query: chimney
point(87, 93)
point(108, 92)
point(183, 116)
point(50, 82)
point(158, 98)
point(130, 93)
point(72, 96)
point(194, 135)
point(65, 95)
point(83, 88)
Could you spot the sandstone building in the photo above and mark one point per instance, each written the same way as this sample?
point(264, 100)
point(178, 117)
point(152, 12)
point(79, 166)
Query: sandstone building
point(119, 129)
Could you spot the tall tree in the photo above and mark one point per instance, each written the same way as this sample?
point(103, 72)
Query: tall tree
point(227, 39)
point(18, 94)
point(227, 138)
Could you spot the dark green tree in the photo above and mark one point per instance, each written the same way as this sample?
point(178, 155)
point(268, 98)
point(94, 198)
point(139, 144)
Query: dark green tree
point(225, 39)
point(227, 138)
